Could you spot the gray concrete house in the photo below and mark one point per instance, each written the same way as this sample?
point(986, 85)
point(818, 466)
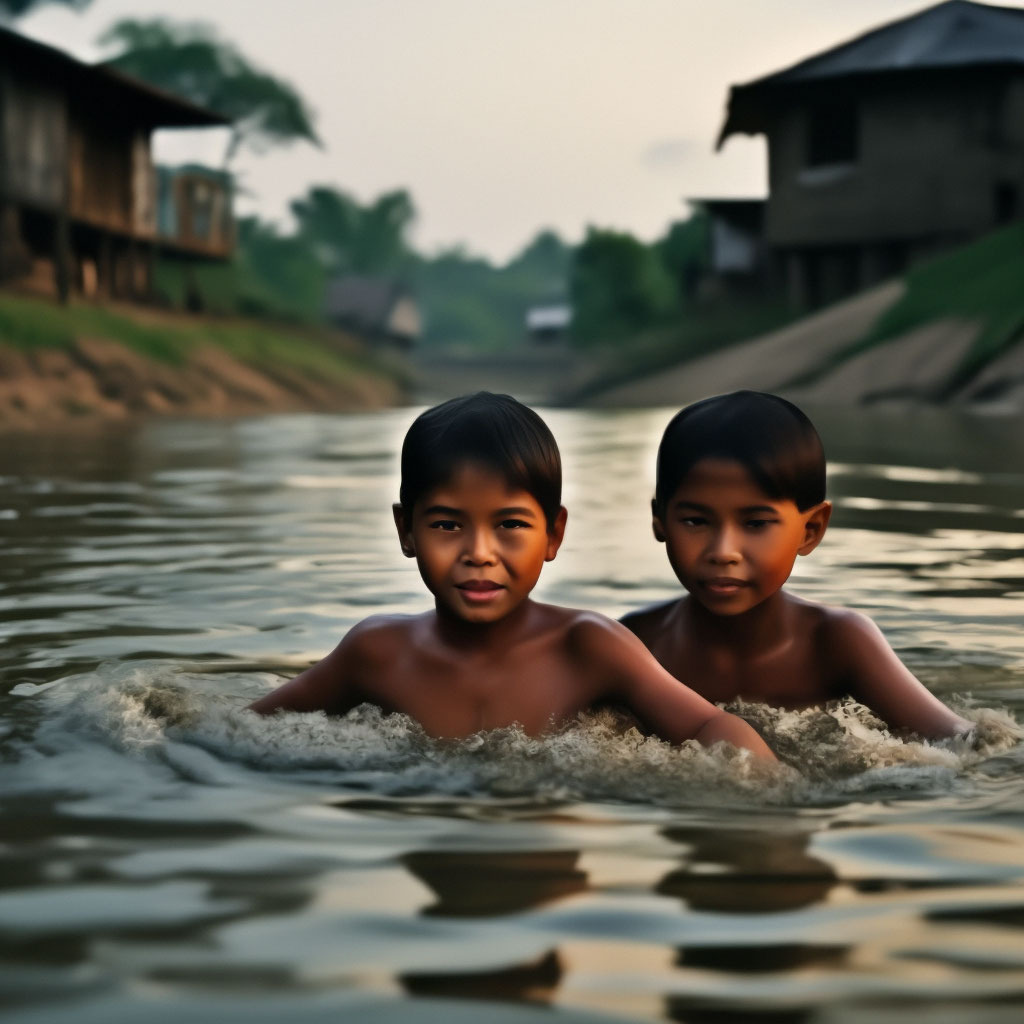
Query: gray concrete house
point(888, 148)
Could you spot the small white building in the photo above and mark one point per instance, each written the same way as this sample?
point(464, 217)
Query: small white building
point(549, 322)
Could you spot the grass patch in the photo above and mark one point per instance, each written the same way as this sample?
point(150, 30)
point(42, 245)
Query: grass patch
point(982, 282)
point(28, 323)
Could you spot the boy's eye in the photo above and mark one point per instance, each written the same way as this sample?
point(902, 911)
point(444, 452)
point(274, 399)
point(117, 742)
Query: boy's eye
point(693, 521)
point(758, 524)
point(514, 524)
point(444, 524)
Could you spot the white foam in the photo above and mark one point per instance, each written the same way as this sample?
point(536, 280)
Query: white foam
point(187, 722)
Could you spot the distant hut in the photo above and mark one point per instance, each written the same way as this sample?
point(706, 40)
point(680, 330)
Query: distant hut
point(78, 189)
point(378, 308)
point(549, 322)
point(890, 147)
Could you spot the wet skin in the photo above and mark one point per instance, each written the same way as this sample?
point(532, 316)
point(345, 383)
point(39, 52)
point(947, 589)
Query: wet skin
point(488, 656)
point(738, 634)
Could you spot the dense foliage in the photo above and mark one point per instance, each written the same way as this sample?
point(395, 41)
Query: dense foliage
point(192, 61)
point(16, 8)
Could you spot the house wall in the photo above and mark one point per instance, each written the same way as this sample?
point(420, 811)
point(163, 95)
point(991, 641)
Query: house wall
point(33, 150)
point(934, 157)
point(101, 170)
point(404, 321)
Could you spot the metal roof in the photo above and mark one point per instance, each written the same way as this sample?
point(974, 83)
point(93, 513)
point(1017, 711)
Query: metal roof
point(955, 34)
point(125, 94)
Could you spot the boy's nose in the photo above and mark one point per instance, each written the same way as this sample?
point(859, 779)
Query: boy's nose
point(479, 550)
point(724, 548)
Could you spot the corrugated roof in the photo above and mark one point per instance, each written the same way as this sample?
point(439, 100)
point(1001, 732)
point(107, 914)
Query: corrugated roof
point(155, 106)
point(949, 35)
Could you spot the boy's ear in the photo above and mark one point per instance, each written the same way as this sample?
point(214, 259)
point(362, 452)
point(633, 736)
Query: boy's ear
point(404, 528)
point(656, 524)
point(815, 524)
point(555, 533)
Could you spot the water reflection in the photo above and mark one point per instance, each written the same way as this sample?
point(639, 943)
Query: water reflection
point(746, 872)
point(475, 885)
point(485, 884)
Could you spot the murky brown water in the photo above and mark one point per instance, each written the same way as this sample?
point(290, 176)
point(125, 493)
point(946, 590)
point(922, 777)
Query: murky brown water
point(167, 856)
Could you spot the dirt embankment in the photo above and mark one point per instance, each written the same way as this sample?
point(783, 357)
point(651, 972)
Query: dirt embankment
point(96, 377)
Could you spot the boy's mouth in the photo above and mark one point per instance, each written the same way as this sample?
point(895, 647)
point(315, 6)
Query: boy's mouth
point(724, 585)
point(480, 591)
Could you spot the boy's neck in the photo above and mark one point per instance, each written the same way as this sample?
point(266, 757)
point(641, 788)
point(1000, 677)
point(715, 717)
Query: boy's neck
point(483, 637)
point(765, 626)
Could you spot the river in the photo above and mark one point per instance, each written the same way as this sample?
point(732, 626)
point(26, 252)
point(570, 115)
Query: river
point(166, 855)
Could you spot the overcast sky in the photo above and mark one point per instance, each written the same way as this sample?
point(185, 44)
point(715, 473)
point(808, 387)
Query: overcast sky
point(505, 116)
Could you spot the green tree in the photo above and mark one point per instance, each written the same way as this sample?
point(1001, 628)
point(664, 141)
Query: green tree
point(545, 260)
point(618, 286)
point(191, 60)
point(16, 8)
point(349, 238)
point(684, 251)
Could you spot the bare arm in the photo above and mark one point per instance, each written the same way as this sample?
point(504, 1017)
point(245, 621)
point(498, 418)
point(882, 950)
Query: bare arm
point(667, 707)
point(877, 678)
point(329, 685)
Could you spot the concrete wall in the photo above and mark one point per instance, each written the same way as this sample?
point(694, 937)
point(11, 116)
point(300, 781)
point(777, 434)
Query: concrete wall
point(931, 159)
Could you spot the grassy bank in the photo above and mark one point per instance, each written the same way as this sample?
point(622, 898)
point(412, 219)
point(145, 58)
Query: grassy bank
point(28, 323)
point(982, 283)
point(84, 361)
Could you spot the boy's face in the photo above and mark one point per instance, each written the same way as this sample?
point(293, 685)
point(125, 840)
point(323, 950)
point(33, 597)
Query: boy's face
point(479, 543)
point(730, 544)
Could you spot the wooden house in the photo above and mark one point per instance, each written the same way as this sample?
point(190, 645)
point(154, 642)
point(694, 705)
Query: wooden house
point(378, 308)
point(78, 188)
point(890, 147)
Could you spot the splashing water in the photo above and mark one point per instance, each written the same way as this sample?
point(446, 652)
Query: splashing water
point(827, 754)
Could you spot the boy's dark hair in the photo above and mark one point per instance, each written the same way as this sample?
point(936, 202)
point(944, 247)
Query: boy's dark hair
point(494, 430)
point(770, 437)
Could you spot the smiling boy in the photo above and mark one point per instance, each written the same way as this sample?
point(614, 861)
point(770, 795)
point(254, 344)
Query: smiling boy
point(480, 511)
point(740, 493)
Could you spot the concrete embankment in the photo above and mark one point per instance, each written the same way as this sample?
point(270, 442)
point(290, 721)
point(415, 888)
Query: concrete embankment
point(811, 362)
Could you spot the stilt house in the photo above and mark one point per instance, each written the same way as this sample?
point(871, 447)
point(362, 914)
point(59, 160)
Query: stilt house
point(79, 203)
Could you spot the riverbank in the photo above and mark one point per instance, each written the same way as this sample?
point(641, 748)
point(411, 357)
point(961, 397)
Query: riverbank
point(62, 365)
point(949, 333)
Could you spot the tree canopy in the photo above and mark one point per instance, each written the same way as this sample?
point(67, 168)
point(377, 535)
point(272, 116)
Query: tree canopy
point(350, 238)
point(619, 286)
point(16, 8)
point(191, 60)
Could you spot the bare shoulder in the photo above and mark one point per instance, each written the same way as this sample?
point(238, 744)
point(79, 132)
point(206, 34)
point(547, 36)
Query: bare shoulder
point(377, 635)
point(649, 621)
point(844, 627)
point(600, 639)
point(579, 629)
point(349, 674)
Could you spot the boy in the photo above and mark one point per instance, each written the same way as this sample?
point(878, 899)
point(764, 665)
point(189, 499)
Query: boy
point(480, 512)
point(740, 493)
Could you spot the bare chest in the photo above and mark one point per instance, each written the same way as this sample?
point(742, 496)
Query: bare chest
point(453, 698)
point(788, 676)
